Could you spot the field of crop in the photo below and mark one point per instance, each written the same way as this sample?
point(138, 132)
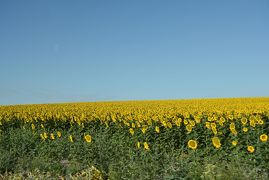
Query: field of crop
point(170, 139)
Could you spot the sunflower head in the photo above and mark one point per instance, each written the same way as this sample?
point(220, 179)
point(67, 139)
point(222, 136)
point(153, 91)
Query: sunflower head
point(216, 142)
point(59, 134)
point(251, 149)
point(157, 129)
point(146, 146)
point(131, 130)
point(138, 145)
point(189, 128)
point(52, 137)
point(192, 144)
point(71, 138)
point(263, 137)
point(234, 143)
point(244, 120)
point(88, 138)
point(245, 129)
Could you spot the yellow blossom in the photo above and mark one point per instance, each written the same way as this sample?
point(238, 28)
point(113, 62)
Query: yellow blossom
point(144, 129)
point(45, 135)
point(157, 129)
point(244, 120)
point(261, 122)
point(252, 123)
point(192, 123)
point(52, 136)
point(33, 126)
point(146, 146)
point(251, 149)
point(263, 137)
point(216, 142)
point(245, 129)
point(213, 125)
point(59, 134)
point(42, 137)
point(189, 128)
point(169, 125)
point(88, 138)
point(207, 124)
point(234, 143)
point(214, 129)
point(232, 126)
point(192, 144)
point(138, 145)
point(71, 138)
point(131, 130)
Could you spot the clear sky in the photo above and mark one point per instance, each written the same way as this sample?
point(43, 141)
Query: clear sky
point(66, 51)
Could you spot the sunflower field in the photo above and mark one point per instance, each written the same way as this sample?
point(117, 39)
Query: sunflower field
point(165, 139)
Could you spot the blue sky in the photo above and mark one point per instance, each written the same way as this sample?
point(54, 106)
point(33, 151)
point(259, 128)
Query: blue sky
point(66, 51)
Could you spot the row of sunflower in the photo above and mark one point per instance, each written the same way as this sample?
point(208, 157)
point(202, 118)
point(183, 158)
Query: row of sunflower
point(193, 144)
point(221, 121)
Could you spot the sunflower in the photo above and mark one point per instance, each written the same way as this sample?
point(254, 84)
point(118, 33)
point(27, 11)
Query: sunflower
point(232, 126)
point(59, 134)
point(261, 122)
point(214, 130)
point(138, 145)
point(252, 123)
point(244, 121)
point(157, 129)
point(71, 138)
point(52, 137)
point(263, 137)
point(45, 135)
point(88, 138)
point(207, 124)
point(245, 129)
point(216, 142)
point(251, 149)
point(192, 144)
point(178, 122)
point(189, 128)
point(33, 126)
point(131, 130)
point(144, 129)
point(146, 146)
point(213, 125)
point(169, 125)
point(234, 143)
point(42, 137)
point(192, 122)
